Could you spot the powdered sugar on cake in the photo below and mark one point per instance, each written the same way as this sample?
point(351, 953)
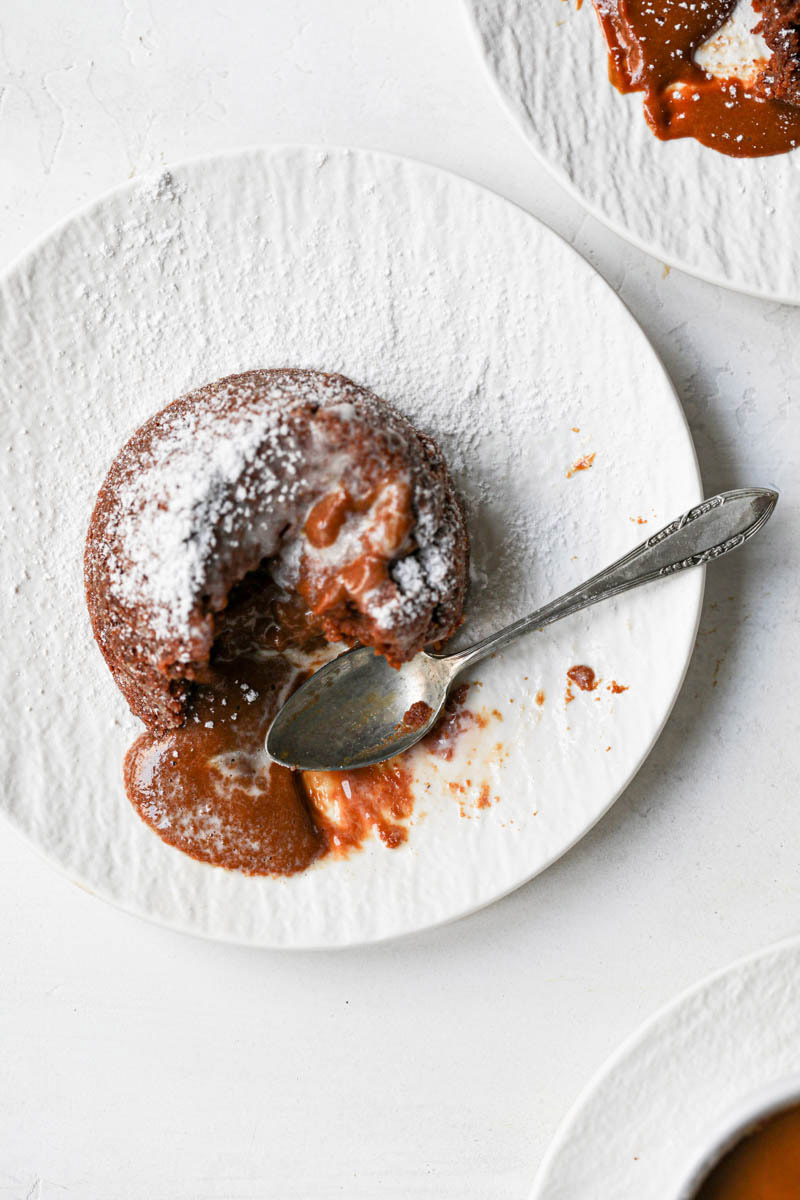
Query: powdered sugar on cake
point(172, 513)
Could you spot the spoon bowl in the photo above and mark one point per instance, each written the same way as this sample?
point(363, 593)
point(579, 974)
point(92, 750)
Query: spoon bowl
point(312, 734)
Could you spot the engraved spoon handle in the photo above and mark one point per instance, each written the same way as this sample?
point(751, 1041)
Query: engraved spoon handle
point(706, 532)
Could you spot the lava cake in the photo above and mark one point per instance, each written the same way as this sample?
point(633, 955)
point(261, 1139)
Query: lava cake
point(238, 532)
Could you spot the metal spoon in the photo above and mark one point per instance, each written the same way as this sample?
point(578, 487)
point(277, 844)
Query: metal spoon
point(355, 710)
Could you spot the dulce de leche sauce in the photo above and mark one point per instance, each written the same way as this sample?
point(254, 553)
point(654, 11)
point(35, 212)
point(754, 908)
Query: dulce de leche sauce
point(209, 789)
point(389, 503)
point(764, 1165)
point(651, 45)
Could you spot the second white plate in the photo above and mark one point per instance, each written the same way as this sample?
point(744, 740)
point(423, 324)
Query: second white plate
point(490, 333)
point(730, 221)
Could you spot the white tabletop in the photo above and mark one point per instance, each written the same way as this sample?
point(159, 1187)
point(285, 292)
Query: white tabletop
point(139, 1063)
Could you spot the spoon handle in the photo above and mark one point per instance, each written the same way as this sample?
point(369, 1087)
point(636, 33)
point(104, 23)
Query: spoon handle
point(704, 533)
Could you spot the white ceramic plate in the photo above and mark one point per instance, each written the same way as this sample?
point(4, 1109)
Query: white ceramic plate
point(667, 1093)
point(489, 332)
point(729, 221)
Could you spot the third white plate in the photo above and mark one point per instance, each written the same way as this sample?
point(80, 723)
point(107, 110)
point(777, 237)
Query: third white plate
point(728, 220)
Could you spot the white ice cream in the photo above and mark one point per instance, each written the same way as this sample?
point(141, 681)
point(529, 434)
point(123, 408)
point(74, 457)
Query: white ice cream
point(734, 50)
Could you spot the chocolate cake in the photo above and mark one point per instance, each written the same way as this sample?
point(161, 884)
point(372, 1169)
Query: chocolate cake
point(780, 28)
point(328, 492)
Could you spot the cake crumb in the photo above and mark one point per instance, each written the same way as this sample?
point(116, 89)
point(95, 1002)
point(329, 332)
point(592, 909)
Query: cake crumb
point(581, 464)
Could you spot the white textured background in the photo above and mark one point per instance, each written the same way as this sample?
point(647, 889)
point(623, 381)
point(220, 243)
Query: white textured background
point(136, 1063)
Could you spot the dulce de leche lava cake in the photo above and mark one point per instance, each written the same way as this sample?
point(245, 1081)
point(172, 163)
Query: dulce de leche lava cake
point(726, 72)
point(241, 529)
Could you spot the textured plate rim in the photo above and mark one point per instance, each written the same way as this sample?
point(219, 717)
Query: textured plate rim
point(82, 212)
point(562, 178)
point(639, 1035)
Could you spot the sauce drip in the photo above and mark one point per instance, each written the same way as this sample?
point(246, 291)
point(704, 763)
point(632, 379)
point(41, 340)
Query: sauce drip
point(209, 789)
point(584, 677)
point(764, 1165)
point(582, 464)
point(651, 45)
